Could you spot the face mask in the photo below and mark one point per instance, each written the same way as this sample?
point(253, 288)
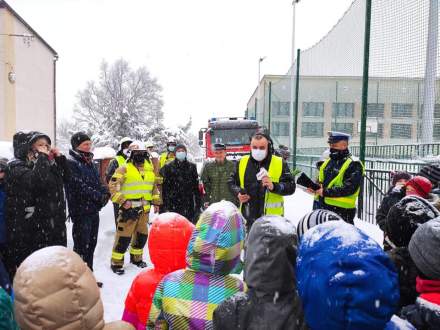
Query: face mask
point(181, 155)
point(258, 154)
point(139, 158)
point(126, 152)
point(337, 154)
point(171, 148)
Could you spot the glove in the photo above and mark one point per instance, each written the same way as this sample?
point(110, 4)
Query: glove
point(130, 214)
point(305, 181)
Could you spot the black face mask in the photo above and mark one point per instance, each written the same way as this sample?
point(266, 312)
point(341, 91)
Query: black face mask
point(139, 157)
point(338, 154)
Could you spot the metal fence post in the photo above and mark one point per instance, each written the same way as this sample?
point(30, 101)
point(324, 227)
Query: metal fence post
point(364, 98)
point(295, 110)
point(270, 106)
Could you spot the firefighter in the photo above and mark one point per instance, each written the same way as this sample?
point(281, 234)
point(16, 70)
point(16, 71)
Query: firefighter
point(169, 155)
point(119, 160)
point(133, 188)
point(261, 180)
point(340, 177)
point(165, 158)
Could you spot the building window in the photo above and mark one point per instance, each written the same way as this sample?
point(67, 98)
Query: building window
point(280, 129)
point(312, 129)
point(375, 110)
point(343, 127)
point(401, 110)
point(401, 131)
point(280, 108)
point(379, 133)
point(313, 109)
point(343, 110)
point(436, 132)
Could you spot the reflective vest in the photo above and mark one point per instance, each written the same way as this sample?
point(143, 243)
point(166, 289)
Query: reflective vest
point(137, 187)
point(166, 158)
point(273, 203)
point(345, 202)
point(121, 160)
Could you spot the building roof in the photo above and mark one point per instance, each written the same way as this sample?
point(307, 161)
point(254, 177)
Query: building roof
point(4, 4)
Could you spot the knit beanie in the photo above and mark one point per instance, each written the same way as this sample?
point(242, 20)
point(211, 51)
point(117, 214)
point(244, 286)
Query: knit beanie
point(399, 175)
point(424, 248)
point(405, 217)
point(313, 219)
point(432, 173)
point(421, 185)
point(345, 279)
point(180, 146)
point(78, 138)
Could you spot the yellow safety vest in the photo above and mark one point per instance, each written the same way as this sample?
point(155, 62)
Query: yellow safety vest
point(137, 187)
point(166, 158)
point(274, 203)
point(121, 160)
point(346, 202)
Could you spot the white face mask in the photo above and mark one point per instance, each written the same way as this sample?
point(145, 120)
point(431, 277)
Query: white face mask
point(126, 152)
point(258, 154)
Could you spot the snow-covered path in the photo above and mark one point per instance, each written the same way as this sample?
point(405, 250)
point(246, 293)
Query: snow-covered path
point(116, 287)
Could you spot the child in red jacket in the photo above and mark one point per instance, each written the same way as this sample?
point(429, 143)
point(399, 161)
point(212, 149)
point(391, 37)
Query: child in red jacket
point(167, 243)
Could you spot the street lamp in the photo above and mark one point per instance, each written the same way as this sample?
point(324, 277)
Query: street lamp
point(292, 73)
point(261, 59)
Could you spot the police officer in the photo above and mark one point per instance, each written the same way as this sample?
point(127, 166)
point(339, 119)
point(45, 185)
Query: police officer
point(133, 188)
point(260, 181)
point(340, 177)
point(215, 177)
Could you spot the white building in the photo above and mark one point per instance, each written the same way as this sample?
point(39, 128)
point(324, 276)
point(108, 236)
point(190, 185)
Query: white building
point(27, 77)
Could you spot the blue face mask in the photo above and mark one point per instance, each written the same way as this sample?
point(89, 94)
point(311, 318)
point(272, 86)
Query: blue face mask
point(171, 148)
point(181, 155)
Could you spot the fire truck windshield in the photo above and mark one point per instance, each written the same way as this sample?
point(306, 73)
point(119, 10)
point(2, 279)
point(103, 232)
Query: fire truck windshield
point(232, 137)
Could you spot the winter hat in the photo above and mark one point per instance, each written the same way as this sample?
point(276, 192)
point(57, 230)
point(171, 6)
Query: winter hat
point(432, 173)
point(217, 240)
point(34, 136)
point(78, 138)
point(421, 185)
point(181, 146)
point(269, 265)
point(405, 217)
point(345, 280)
point(399, 175)
point(313, 219)
point(424, 248)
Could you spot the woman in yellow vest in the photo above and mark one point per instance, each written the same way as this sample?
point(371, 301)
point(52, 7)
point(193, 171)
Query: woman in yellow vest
point(134, 189)
point(340, 177)
point(261, 180)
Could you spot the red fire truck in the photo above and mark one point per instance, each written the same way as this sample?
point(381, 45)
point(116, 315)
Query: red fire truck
point(233, 132)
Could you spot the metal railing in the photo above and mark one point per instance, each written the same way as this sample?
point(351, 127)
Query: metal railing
point(392, 151)
point(376, 183)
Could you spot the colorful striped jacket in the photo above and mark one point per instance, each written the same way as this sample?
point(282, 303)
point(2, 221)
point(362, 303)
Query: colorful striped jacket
point(186, 299)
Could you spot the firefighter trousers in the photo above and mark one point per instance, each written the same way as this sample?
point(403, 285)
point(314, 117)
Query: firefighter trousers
point(134, 230)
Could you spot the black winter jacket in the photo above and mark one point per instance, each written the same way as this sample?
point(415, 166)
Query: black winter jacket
point(423, 315)
point(272, 301)
point(86, 194)
point(180, 189)
point(407, 271)
point(255, 190)
point(35, 207)
point(393, 196)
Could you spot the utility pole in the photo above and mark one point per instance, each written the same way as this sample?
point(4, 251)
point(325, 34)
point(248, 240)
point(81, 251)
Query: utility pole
point(292, 75)
point(430, 74)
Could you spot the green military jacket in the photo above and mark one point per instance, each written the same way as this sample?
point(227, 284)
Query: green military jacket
point(215, 180)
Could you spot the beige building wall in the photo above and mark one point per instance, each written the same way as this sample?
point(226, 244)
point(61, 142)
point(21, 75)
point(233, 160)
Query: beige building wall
point(28, 104)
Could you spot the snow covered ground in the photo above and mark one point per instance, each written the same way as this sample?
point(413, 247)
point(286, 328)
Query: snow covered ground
point(116, 287)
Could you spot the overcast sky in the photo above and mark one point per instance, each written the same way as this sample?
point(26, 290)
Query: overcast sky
point(204, 53)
